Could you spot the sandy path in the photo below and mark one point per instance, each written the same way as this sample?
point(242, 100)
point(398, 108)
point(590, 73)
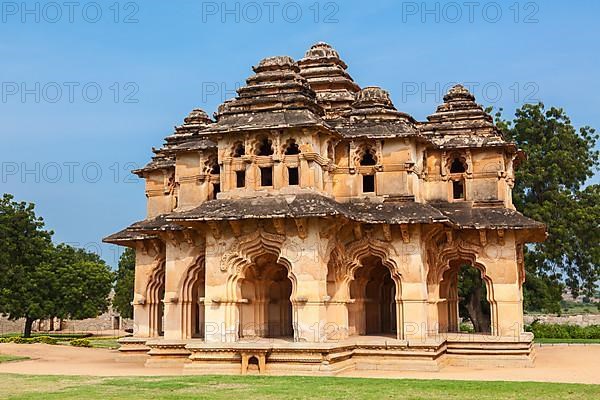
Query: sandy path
point(576, 364)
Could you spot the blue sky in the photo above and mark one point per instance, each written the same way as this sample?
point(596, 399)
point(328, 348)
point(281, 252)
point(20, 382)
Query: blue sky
point(89, 88)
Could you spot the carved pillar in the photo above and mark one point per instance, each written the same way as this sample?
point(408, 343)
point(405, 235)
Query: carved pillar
point(309, 308)
point(501, 262)
point(221, 312)
point(148, 279)
point(181, 255)
point(412, 311)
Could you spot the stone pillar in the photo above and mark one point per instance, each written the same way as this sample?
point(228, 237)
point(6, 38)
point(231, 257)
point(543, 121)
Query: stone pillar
point(181, 256)
point(509, 310)
point(146, 261)
point(338, 319)
point(141, 324)
point(434, 311)
point(500, 261)
point(412, 315)
point(309, 307)
point(221, 312)
point(414, 311)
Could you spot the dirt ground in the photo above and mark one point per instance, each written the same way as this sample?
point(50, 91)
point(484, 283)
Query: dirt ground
point(563, 363)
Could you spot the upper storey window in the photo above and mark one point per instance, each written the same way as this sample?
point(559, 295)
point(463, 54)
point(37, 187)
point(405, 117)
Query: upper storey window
point(368, 184)
point(457, 166)
point(458, 189)
point(264, 147)
point(293, 176)
point(211, 166)
point(266, 176)
point(368, 158)
point(292, 148)
point(239, 149)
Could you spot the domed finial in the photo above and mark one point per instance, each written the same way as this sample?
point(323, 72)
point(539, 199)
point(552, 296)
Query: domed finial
point(276, 63)
point(197, 117)
point(321, 50)
point(373, 96)
point(459, 93)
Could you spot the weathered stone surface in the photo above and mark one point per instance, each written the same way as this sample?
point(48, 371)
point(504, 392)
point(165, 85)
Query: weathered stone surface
point(315, 211)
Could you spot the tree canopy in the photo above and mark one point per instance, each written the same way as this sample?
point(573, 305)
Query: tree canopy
point(40, 280)
point(550, 186)
point(124, 284)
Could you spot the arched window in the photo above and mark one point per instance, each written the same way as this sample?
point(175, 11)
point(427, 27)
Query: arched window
point(211, 166)
point(264, 147)
point(292, 148)
point(368, 158)
point(239, 149)
point(457, 166)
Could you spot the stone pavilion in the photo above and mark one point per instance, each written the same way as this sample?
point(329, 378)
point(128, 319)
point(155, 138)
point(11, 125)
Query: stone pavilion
point(311, 227)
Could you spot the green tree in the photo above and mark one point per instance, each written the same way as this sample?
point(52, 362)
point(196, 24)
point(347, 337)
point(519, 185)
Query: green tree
point(83, 282)
point(542, 293)
point(549, 187)
point(26, 279)
point(124, 282)
point(39, 280)
point(473, 302)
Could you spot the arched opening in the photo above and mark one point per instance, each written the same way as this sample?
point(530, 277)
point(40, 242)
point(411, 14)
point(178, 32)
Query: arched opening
point(239, 149)
point(292, 148)
point(160, 329)
point(368, 179)
point(156, 306)
point(373, 310)
point(266, 307)
point(368, 158)
point(457, 166)
point(467, 308)
point(192, 298)
point(264, 147)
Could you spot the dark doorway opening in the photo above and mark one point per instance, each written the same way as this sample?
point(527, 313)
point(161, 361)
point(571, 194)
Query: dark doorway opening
point(293, 176)
point(368, 183)
point(266, 176)
point(240, 179)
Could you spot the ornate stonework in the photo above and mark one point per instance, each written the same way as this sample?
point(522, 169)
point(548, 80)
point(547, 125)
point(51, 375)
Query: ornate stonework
point(313, 227)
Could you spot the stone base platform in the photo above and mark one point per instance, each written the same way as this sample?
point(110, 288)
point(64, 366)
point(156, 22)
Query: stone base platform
point(133, 349)
point(286, 357)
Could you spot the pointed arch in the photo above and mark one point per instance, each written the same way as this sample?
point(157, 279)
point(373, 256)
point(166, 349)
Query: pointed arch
point(256, 249)
point(155, 292)
point(444, 271)
point(191, 290)
point(245, 254)
point(366, 257)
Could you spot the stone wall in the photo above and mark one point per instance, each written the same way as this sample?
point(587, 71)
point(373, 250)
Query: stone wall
point(7, 326)
point(581, 320)
point(102, 324)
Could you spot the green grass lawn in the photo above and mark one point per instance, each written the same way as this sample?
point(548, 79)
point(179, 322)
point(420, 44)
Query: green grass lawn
point(566, 341)
point(6, 358)
point(98, 342)
point(266, 388)
point(105, 343)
